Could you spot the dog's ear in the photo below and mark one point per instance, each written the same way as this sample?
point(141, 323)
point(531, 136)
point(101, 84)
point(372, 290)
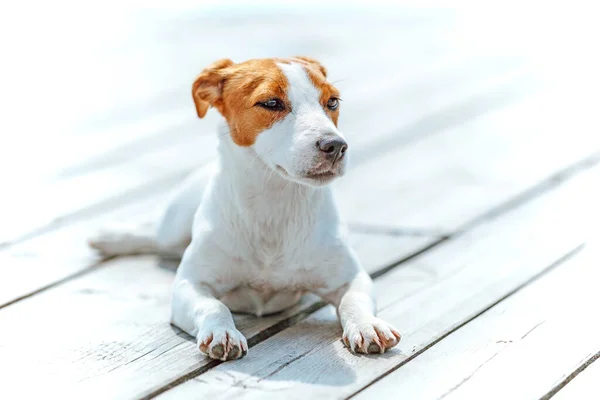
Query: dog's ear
point(316, 64)
point(207, 89)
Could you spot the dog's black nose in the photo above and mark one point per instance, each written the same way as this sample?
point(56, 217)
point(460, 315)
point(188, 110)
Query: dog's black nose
point(334, 148)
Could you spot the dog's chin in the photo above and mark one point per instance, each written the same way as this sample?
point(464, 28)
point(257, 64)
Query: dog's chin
point(315, 179)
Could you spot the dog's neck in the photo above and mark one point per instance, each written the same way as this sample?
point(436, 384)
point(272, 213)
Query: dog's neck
point(260, 191)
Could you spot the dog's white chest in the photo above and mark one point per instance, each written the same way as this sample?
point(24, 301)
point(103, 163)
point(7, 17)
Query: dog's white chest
point(275, 270)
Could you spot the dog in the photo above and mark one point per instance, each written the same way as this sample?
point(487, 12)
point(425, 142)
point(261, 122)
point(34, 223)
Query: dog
point(260, 228)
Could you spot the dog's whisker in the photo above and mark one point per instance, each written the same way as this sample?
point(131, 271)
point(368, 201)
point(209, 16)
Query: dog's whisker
point(252, 162)
point(270, 175)
point(339, 80)
point(283, 190)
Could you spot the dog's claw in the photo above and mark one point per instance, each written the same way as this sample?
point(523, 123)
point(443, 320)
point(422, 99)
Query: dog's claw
point(223, 344)
point(218, 351)
point(375, 336)
point(374, 348)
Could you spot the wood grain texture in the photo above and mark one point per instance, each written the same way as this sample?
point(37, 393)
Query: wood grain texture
point(46, 259)
point(519, 349)
point(360, 194)
point(465, 170)
point(363, 195)
point(427, 298)
point(126, 346)
point(42, 260)
point(86, 195)
point(117, 177)
point(153, 137)
point(447, 134)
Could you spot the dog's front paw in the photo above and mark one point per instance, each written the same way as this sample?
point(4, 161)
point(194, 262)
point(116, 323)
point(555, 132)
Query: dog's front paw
point(222, 344)
point(372, 336)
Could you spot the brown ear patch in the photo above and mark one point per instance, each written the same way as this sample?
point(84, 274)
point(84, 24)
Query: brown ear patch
point(207, 89)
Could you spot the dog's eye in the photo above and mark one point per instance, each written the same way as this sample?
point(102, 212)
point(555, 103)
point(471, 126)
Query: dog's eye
point(272, 104)
point(333, 103)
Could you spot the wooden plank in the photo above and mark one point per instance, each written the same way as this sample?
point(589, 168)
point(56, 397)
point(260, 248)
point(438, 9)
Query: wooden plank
point(148, 78)
point(519, 349)
point(116, 176)
point(458, 175)
point(433, 100)
point(158, 361)
point(81, 196)
point(97, 353)
point(35, 274)
point(336, 46)
point(132, 367)
point(109, 328)
point(144, 73)
point(429, 297)
point(363, 193)
point(423, 37)
point(437, 65)
point(585, 386)
point(43, 261)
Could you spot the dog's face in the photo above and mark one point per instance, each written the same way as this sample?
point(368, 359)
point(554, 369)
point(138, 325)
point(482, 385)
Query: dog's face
point(284, 109)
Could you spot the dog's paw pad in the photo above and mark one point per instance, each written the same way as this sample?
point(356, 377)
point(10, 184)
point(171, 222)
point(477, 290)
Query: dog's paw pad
point(372, 337)
point(222, 344)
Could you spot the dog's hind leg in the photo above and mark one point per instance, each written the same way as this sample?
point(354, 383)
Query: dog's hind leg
point(125, 239)
point(170, 236)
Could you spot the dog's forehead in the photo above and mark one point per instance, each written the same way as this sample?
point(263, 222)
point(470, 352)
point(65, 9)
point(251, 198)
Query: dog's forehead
point(301, 89)
point(298, 78)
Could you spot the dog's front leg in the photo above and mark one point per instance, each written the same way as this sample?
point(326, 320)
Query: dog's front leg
point(363, 331)
point(197, 311)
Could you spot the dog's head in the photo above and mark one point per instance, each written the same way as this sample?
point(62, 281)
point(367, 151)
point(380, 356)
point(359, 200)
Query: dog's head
point(284, 109)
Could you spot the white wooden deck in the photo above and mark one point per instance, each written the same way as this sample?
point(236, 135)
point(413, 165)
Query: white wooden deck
point(473, 200)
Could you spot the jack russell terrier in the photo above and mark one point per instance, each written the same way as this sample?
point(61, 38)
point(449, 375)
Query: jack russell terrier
point(261, 228)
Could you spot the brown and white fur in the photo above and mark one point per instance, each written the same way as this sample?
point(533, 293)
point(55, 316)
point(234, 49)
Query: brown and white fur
point(261, 227)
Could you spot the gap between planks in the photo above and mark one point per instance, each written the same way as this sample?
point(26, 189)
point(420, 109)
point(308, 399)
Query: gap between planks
point(554, 181)
point(511, 86)
point(546, 185)
point(494, 355)
point(472, 318)
point(552, 246)
point(372, 228)
point(428, 146)
point(171, 263)
point(486, 194)
point(558, 179)
point(571, 376)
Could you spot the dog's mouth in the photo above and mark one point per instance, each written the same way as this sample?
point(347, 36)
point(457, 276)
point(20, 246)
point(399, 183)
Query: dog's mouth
point(320, 176)
point(313, 177)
